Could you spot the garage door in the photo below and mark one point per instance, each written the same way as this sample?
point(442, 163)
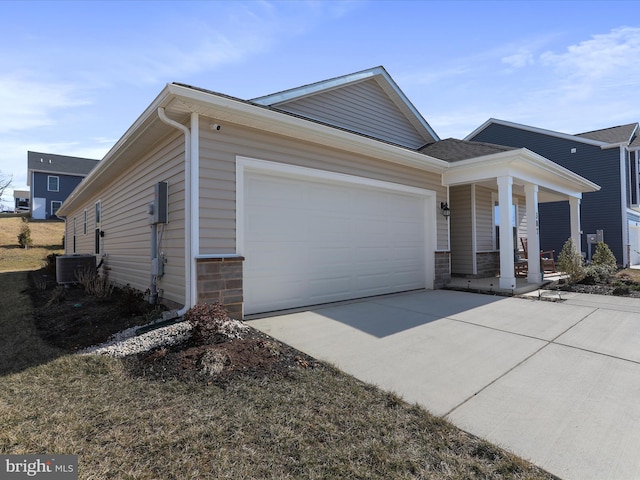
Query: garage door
point(309, 241)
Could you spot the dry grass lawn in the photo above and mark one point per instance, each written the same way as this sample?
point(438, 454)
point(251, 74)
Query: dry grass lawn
point(310, 423)
point(47, 239)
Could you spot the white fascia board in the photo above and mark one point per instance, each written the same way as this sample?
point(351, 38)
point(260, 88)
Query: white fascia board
point(243, 113)
point(313, 88)
point(541, 131)
point(522, 164)
point(609, 146)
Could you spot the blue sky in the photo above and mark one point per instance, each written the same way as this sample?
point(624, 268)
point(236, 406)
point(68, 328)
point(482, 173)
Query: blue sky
point(75, 75)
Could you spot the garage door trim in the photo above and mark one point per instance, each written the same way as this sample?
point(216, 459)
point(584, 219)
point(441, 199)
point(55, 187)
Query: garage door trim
point(245, 165)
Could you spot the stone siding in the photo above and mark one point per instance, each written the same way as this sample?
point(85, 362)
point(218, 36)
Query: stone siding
point(488, 264)
point(442, 269)
point(220, 280)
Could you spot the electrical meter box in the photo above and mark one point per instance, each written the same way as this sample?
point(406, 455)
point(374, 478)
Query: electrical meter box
point(161, 203)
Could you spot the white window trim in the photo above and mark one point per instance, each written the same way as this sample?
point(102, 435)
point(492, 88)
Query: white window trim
point(49, 177)
point(51, 205)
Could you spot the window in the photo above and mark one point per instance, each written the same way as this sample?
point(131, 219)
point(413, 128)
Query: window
point(55, 205)
point(496, 224)
point(53, 183)
point(74, 234)
point(97, 232)
point(84, 223)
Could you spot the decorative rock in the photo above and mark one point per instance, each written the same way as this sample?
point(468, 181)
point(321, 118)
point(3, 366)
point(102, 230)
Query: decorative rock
point(127, 343)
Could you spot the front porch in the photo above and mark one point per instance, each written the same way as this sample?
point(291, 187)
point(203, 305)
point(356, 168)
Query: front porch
point(492, 284)
point(493, 202)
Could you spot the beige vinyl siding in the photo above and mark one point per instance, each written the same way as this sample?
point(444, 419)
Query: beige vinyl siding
point(462, 251)
point(363, 107)
point(485, 230)
point(125, 221)
point(218, 151)
point(84, 242)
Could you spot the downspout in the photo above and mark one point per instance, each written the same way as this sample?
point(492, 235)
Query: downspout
point(188, 211)
point(624, 202)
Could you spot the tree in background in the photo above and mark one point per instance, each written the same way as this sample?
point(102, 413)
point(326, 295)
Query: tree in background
point(5, 182)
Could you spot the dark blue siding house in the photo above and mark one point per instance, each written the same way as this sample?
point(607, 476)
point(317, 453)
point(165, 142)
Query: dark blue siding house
point(52, 178)
point(608, 157)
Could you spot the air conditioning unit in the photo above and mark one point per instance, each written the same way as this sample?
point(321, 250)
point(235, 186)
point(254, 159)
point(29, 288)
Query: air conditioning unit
point(68, 267)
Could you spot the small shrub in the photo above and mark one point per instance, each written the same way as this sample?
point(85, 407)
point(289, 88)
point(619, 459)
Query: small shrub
point(131, 302)
point(94, 284)
point(570, 262)
point(604, 258)
point(621, 291)
point(24, 237)
point(211, 323)
point(58, 294)
point(594, 274)
point(49, 266)
point(40, 281)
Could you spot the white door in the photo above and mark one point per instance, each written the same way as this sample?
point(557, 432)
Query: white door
point(634, 242)
point(39, 208)
point(309, 241)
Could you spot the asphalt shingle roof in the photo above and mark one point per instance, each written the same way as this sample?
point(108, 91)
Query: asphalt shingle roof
point(454, 150)
point(618, 134)
point(49, 162)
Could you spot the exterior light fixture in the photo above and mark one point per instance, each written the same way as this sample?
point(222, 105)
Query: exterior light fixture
point(444, 209)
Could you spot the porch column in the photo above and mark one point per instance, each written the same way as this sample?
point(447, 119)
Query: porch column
point(507, 274)
point(533, 233)
point(574, 214)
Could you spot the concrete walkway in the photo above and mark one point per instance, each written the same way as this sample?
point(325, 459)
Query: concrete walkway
point(557, 383)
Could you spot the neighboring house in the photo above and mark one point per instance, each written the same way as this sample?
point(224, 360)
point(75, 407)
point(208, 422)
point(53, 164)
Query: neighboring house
point(608, 157)
point(21, 200)
point(52, 178)
point(327, 192)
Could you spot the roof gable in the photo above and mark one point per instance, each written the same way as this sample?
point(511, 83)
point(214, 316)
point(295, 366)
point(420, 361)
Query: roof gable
point(367, 102)
point(603, 138)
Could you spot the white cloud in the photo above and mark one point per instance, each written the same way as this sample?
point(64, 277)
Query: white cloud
point(519, 60)
point(28, 103)
point(598, 65)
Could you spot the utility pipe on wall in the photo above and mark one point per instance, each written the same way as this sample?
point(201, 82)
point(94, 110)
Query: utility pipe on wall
point(189, 207)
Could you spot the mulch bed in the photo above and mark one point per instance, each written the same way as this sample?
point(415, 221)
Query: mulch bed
point(255, 355)
point(71, 320)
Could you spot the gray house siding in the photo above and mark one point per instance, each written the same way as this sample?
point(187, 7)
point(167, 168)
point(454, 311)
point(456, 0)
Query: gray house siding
point(364, 108)
point(66, 184)
point(600, 210)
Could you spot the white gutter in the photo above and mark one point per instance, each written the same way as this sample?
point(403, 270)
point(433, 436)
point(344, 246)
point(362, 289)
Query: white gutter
point(191, 243)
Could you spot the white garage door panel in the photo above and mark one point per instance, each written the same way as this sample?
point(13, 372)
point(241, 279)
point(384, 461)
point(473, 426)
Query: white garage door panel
point(310, 242)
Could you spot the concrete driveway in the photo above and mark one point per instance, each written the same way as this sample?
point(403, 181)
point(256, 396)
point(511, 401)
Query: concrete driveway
point(557, 383)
